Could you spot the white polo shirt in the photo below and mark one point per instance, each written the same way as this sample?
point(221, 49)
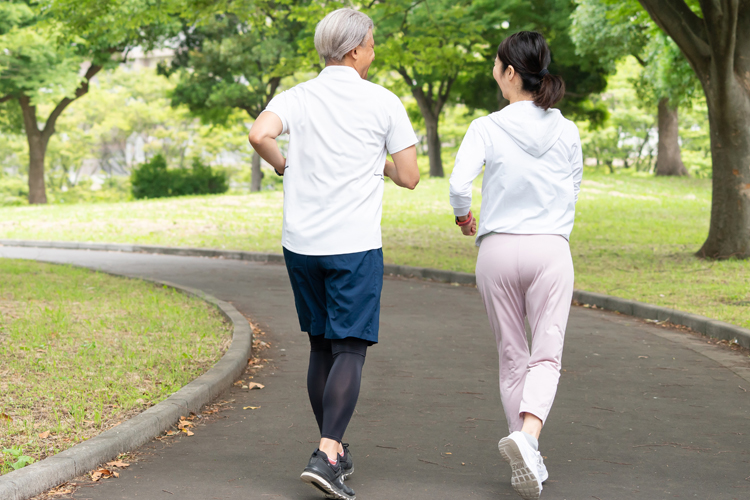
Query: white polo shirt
point(340, 128)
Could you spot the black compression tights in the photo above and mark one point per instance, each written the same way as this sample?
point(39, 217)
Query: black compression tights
point(333, 380)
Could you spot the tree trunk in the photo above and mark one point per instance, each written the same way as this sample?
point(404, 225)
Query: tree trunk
point(434, 147)
point(729, 120)
point(257, 173)
point(37, 151)
point(716, 44)
point(38, 139)
point(669, 158)
point(431, 105)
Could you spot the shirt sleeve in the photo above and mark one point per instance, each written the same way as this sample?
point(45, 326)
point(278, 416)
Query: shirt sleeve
point(400, 134)
point(469, 162)
point(576, 164)
point(279, 106)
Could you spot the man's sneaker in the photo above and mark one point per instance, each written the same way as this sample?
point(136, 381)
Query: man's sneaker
point(524, 461)
point(326, 478)
point(347, 465)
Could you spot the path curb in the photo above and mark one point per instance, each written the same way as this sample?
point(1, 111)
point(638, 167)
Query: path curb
point(701, 324)
point(131, 434)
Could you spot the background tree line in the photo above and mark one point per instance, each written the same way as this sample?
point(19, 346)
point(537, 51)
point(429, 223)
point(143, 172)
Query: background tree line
point(231, 58)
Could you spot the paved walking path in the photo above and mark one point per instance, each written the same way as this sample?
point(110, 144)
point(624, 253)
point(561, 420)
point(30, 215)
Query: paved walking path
point(641, 412)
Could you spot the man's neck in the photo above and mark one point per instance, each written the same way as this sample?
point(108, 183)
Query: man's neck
point(346, 61)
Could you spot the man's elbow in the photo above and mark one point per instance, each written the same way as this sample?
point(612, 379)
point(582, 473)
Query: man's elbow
point(411, 183)
point(254, 138)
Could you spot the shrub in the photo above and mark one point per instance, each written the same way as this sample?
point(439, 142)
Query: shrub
point(13, 191)
point(151, 179)
point(154, 180)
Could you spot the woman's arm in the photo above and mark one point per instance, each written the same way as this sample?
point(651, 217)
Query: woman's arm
point(262, 137)
point(577, 166)
point(469, 162)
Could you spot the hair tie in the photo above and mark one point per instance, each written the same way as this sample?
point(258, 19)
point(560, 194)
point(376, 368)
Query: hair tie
point(543, 72)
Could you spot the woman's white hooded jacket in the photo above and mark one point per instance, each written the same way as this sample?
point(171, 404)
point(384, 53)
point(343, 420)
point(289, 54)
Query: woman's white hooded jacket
point(532, 176)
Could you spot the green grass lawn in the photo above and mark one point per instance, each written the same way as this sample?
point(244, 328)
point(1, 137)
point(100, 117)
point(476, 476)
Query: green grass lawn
point(81, 351)
point(635, 237)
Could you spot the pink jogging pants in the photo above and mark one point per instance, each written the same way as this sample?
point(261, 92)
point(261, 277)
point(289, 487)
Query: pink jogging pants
point(522, 275)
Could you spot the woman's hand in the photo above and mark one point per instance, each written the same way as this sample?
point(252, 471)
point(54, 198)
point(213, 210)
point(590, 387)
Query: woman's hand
point(469, 229)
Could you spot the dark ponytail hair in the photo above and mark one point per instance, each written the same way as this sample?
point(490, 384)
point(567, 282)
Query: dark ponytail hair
point(528, 53)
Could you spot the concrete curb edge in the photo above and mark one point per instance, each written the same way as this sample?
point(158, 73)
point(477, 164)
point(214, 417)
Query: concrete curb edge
point(701, 324)
point(134, 432)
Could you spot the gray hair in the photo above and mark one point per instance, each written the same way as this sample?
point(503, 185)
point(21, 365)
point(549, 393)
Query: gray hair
point(341, 31)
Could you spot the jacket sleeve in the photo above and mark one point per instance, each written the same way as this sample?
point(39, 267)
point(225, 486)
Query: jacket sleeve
point(469, 162)
point(576, 163)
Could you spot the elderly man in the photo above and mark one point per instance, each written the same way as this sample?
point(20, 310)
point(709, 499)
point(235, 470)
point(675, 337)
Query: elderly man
point(340, 128)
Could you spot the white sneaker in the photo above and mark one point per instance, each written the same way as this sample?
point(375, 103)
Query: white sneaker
point(543, 474)
point(525, 461)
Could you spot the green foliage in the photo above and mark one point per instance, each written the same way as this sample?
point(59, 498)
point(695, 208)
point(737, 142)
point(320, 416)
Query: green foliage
point(627, 139)
point(609, 31)
point(431, 42)
point(199, 179)
point(17, 458)
point(666, 74)
point(583, 75)
point(32, 62)
point(154, 180)
point(13, 190)
point(151, 179)
point(235, 59)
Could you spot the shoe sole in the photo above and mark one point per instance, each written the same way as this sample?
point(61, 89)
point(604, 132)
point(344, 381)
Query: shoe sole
point(322, 485)
point(346, 476)
point(523, 479)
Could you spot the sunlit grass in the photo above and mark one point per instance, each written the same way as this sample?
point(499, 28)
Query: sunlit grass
point(81, 351)
point(635, 237)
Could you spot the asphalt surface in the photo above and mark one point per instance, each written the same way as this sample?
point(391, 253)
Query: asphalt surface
point(641, 411)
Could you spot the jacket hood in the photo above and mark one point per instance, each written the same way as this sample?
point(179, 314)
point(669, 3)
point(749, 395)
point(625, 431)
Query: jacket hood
point(532, 128)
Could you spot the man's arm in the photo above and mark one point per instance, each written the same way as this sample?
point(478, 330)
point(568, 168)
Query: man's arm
point(262, 137)
point(403, 170)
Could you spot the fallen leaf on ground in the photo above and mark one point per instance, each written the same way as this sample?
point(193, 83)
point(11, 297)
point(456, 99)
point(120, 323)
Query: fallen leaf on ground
point(5, 416)
point(255, 385)
point(171, 433)
point(61, 490)
point(184, 424)
point(250, 407)
point(118, 463)
point(103, 473)
point(44, 435)
point(188, 432)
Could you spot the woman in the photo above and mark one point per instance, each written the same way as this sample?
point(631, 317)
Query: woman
point(533, 168)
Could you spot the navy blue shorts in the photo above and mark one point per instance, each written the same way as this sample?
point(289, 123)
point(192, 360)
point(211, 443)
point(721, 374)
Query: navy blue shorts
point(337, 295)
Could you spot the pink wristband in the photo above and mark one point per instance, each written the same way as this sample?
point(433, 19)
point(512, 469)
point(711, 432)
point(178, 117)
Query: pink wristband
point(468, 220)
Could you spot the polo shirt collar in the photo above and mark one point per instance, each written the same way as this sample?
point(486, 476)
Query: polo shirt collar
point(340, 72)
